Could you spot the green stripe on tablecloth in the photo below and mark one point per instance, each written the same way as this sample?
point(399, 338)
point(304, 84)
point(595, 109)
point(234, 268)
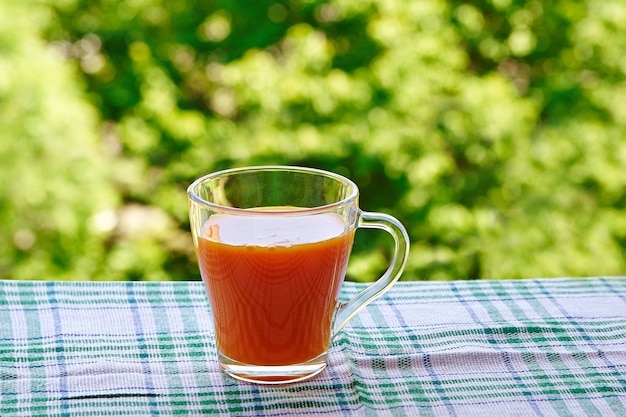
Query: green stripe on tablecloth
point(36, 375)
point(187, 322)
point(179, 403)
point(551, 333)
point(164, 324)
point(8, 379)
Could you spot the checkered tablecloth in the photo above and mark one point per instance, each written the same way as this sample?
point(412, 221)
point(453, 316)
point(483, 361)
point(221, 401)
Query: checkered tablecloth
point(553, 347)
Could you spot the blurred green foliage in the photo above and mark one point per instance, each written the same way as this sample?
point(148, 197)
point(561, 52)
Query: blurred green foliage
point(494, 129)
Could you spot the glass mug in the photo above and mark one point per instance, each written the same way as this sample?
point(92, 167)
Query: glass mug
point(273, 244)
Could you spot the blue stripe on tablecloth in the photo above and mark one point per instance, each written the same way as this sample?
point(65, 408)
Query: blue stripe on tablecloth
point(338, 390)
point(425, 358)
point(143, 348)
point(507, 361)
point(551, 355)
point(437, 384)
point(58, 333)
point(612, 289)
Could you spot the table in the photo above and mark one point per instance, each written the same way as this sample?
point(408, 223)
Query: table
point(543, 347)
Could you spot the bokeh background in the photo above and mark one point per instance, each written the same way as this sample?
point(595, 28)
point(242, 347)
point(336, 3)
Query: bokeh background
point(494, 129)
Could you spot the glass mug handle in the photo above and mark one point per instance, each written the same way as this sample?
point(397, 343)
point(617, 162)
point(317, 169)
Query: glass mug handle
point(367, 220)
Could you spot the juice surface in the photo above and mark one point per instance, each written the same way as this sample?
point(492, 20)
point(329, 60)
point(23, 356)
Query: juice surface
point(273, 282)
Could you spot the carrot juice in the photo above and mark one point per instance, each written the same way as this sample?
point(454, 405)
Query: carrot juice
point(273, 282)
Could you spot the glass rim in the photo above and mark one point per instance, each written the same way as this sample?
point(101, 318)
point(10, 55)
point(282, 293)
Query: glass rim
point(195, 198)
